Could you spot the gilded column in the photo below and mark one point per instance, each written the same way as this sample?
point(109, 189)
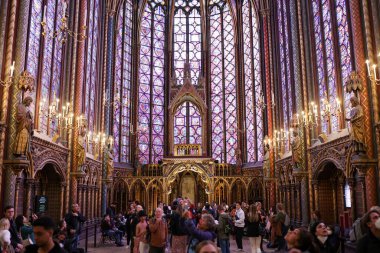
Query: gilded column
point(359, 51)
point(28, 197)
point(76, 172)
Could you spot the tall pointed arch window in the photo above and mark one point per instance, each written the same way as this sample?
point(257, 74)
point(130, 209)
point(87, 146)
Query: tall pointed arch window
point(286, 88)
point(151, 83)
point(187, 124)
point(122, 89)
point(253, 84)
point(187, 38)
point(91, 68)
point(332, 38)
point(223, 83)
point(44, 57)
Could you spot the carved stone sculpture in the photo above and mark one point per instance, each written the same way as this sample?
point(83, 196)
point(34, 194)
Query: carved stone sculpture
point(24, 129)
point(296, 150)
point(110, 166)
point(357, 126)
point(81, 150)
point(266, 161)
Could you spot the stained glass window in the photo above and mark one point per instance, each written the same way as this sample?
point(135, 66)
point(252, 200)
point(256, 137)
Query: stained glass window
point(91, 63)
point(48, 71)
point(326, 52)
point(187, 124)
point(122, 89)
point(287, 88)
point(223, 83)
point(253, 85)
point(151, 84)
point(187, 38)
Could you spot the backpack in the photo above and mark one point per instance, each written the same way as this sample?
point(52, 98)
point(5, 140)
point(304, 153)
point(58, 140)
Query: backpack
point(356, 232)
point(230, 227)
point(287, 220)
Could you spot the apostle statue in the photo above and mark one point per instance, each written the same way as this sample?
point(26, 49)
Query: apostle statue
point(266, 161)
point(239, 162)
point(296, 149)
point(81, 150)
point(109, 157)
point(24, 128)
point(357, 125)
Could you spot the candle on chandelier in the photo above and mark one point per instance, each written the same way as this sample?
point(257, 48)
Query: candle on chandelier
point(12, 68)
point(64, 7)
point(44, 14)
point(368, 68)
point(374, 71)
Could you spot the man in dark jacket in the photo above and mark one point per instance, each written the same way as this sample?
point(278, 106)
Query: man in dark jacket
point(9, 213)
point(43, 229)
point(74, 221)
point(370, 243)
point(223, 230)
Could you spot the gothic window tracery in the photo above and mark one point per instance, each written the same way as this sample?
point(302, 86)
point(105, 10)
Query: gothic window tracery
point(253, 84)
point(332, 53)
point(223, 83)
point(46, 66)
point(122, 90)
point(187, 38)
point(151, 83)
point(187, 124)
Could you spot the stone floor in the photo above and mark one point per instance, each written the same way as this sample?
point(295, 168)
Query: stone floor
point(111, 248)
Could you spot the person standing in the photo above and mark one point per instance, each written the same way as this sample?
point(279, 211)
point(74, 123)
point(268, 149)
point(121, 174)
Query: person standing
point(179, 234)
point(141, 230)
point(74, 221)
point(43, 229)
point(222, 230)
point(159, 232)
point(370, 243)
point(253, 233)
point(239, 226)
point(9, 213)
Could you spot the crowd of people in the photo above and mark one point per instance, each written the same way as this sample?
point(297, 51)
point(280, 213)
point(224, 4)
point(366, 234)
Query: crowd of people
point(183, 227)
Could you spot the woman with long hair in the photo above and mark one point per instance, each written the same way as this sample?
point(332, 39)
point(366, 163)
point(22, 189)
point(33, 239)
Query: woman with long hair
point(253, 221)
point(300, 240)
point(179, 233)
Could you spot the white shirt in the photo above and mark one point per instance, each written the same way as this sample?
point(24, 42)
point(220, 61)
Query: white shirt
point(240, 217)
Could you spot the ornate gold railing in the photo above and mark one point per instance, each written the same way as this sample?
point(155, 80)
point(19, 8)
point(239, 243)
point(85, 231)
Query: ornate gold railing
point(224, 169)
point(187, 150)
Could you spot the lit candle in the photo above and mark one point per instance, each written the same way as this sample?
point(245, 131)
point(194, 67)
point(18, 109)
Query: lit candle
point(44, 15)
point(374, 70)
point(272, 96)
point(12, 68)
point(368, 68)
point(298, 118)
point(64, 7)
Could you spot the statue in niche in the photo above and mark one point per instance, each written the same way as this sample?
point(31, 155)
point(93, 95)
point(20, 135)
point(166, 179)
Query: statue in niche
point(357, 125)
point(296, 149)
point(110, 167)
point(81, 150)
point(266, 161)
point(24, 128)
point(239, 162)
point(137, 162)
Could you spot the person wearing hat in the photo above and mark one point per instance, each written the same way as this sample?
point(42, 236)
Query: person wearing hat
point(5, 242)
point(141, 242)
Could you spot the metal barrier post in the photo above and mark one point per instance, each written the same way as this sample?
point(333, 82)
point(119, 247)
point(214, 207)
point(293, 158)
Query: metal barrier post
point(86, 242)
point(95, 235)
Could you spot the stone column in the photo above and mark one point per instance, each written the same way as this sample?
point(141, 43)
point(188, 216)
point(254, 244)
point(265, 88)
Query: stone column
point(62, 198)
point(76, 172)
point(28, 197)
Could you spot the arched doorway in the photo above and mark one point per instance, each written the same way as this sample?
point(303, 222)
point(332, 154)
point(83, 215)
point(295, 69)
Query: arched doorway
point(138, 192)
point(238, 192)
point(154, 197)
point(330, 193)
point(221, 191)
point(48, 183)
point(255, 191)
point(121, 195)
